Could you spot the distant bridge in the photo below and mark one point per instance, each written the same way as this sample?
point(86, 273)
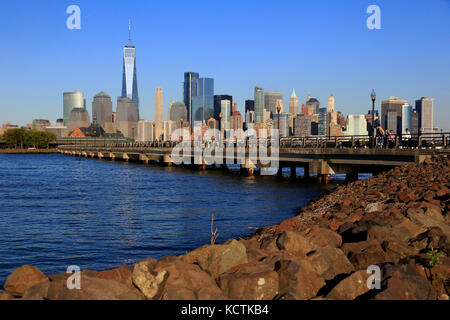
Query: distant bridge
point(320, 156)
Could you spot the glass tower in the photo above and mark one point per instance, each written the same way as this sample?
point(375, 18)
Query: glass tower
point(129, 79)
point(203, 103)
point(259, 105)
point(190, 90)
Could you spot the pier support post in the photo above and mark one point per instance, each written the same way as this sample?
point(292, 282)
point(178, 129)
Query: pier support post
point(350, 177)
point(293, 172)
point(280, 172)
point(323, 178)
point(306, 172)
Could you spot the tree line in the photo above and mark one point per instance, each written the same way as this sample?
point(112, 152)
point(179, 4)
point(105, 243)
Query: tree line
point(21, 138)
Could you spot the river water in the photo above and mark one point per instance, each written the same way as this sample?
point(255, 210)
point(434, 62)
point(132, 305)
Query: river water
point(57, 210)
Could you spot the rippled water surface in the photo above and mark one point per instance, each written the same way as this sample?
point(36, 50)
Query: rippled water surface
point(57, 210)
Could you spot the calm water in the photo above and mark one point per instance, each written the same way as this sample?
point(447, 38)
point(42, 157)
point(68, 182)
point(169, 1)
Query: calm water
point(57, 211)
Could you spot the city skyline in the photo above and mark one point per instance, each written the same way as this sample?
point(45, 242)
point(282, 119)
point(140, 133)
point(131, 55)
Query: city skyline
point(352, 94)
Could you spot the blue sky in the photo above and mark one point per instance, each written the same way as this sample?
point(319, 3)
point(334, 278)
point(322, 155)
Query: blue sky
point(318, 47)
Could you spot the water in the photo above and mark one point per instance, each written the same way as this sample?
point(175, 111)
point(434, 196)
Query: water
point(57, 210)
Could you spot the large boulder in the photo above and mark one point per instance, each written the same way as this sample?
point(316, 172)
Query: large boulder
point(217, 259)
point(92, 289)
point(403, 282)
point(351, 287)
point(149, 282)
point(121, 274)
point(187, 281)
point(38, 291)
point(329, 262)
point(298, 279)
point(294, 241)
point(5, 295)
point(23, 278)
point(257, 281)
point(322, 237)
point(365, 253)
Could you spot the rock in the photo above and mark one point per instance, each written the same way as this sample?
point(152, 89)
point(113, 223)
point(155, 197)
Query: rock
point(187, 281)
point(217, 259)
point(38, 291)
point(406, 230)
point(351, 287)
point(322, 237)
point(150, 283)
point(23, 278)
point(257, 282)
point(121, 274)
point(363, 254)
point(374, 207)
point(294, 241)
point(92, 289)
point(329, 262)
point(428, 221)
point(396, 250)
point(270, 244)
point(404, 283)
point(298, 279)
point(5, 296)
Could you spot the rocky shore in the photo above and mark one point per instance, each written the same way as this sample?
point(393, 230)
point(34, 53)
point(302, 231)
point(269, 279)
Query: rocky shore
point(398, 221)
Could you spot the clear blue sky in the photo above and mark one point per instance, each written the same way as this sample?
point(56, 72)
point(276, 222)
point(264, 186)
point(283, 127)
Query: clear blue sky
point(320, 47)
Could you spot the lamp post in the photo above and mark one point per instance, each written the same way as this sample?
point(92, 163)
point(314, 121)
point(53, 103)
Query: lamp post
point(278, 112)
point(373, 96)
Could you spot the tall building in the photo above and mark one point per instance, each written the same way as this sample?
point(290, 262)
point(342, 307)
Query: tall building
point(392, 121)
point(322, 122)
point(414, 122)
point(259, 105)
point(284, 123)
point(331, 103)
point(145, 131)
point(102, 111)
point(293, 110)
point(218, 104)
point(72, 100)
point(129, 78)
point(177, 111)
point(236, 122)
point(313, 103)
point(393, 104)
point(406, 118)
point(159, 118)
point(270, 101)
point(356, 125)
point(127, 117)
point(190, 90)
point(425, 107)
point(78, 118)
point(225, 110)
point(203, 103)
point(249, 105)
point(302, 126)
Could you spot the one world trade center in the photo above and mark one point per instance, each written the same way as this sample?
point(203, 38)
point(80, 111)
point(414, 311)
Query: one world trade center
point(129, 80)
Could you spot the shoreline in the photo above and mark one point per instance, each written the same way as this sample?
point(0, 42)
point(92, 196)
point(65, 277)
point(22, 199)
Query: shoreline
point(393, 221)
point(28, 151)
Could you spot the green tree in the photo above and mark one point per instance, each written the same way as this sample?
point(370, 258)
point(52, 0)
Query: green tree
point(14, 137)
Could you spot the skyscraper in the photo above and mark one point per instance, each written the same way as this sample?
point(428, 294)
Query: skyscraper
point(331, 103)
point(129, 78)
point(126, 117)
point(406, 117)
point(393, 104)
point(102, 111)
point(259, 105)
point(424, 107)
point(177, 111)
point(293, 110)
point(356, 125)
point(190, 90)
point(225, 121)
point(322, 122)
point(270, 101)
point(313, 103)
point(72, 100)
point(218, 104)
point(159, 118)
point(203, 103)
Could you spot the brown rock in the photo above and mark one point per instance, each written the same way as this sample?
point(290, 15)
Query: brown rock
point(329, 262)
point(428, 221)
point(294, 241)
point(92, 289)
point(270, 244)
point(22, 278)
point(363, 254)
point(258, 282)
point(396, 250)
point(298, 279)
point(38, 291)
point(322, 237)
point(351, 287)
point(149, 282)
point(217, 259)
point(406, 230)
point(121, 274)
point(5, 295)
point(188, 282)
point(404, 283)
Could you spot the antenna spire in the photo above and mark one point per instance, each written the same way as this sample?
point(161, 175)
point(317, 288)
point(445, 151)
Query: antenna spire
point(129, 32)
